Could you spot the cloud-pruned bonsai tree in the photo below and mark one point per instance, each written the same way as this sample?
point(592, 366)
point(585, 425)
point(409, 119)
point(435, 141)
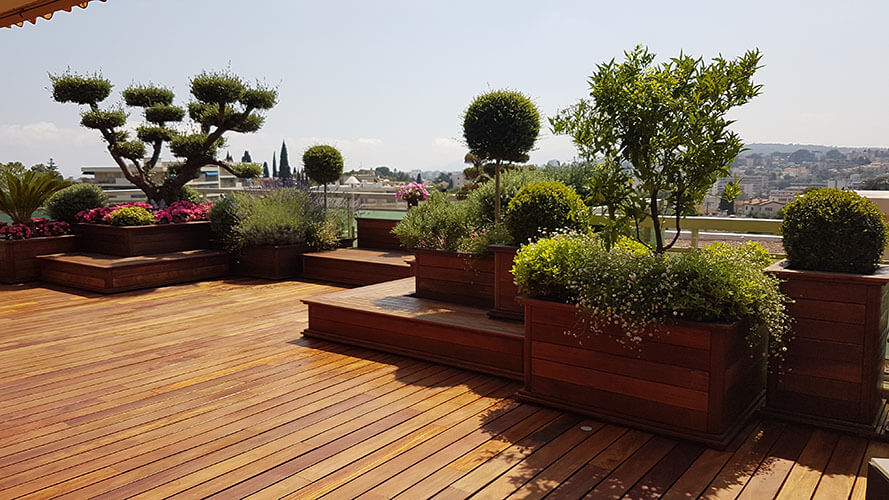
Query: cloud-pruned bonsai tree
point(501, 126)
point(662, 128)
point(222, 103)
point(323, 164)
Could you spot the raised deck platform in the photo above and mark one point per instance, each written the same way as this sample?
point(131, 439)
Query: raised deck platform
point(356, 266)
point(110, 274)
point(389, 318)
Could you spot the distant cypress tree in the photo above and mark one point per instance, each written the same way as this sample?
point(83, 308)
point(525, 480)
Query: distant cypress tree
point(246, 158)
point(285, 172)
point(228, 157)
point(275, 165)
point(419, 179)
point(265, 169)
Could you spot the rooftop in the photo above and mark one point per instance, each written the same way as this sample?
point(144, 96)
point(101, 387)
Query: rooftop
point(209, 389)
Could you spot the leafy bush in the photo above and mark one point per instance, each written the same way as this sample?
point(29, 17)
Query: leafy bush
point(834, 230)
point(224, 216)
point(438, 224)
point(635, 292)
point(482, 198)
point(65, 204)
point(131, 216)
point(544, 207)
point(23, 195)
point(188, 193)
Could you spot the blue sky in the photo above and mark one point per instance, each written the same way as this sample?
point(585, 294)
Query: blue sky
point(387, 81)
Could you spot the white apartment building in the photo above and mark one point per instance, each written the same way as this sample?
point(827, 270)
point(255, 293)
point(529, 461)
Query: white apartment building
point(111, 179)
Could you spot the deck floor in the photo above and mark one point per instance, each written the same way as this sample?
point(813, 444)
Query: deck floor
point(209, 390)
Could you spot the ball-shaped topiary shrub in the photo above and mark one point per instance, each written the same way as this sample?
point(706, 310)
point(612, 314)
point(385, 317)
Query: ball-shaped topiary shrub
point(188, 193)
point(541, 208)
point(132, 216)
point(64, 205)
point(501, 125)
point(323, 164)
point(833, 230)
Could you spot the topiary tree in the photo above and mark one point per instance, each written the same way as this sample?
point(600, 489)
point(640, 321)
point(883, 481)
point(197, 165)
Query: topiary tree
point(833, 230)
point(541, 208)
point(222, 103)
point(667, 123)
point(501, 126)
point(23, 195)
point(63, 205)
point(323, 164)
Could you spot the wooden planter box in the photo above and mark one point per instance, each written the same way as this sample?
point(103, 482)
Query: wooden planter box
point(377, 234)
point(129, 241)
point(454, 277)
point(696, 381)
point(834, 368)
point(272, 262)
point(505, 290)
point(18, 258)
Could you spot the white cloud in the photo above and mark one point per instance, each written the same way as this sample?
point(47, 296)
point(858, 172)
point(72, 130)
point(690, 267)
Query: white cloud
point(444, 142)
point(371, 141)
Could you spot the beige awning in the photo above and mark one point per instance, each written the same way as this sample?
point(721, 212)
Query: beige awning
point(16, 12)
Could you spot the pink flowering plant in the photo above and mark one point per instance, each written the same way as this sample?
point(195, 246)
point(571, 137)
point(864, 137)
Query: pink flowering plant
point(38, 227)
point(412, 193)
point(174, 213)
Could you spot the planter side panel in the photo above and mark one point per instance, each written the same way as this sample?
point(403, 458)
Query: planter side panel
point(143, 240)
point(377, 234)
point(454, 278)
point(271, 262)
point(18, 258)
point(505, 289)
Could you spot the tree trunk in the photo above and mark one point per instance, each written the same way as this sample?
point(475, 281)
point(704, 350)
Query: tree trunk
point(497, 192)
point(656, 224)
point(325, 196)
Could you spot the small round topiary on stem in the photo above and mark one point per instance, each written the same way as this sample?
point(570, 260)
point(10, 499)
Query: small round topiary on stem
point(64, 204)
point(323, 164)
point(834, 230)
point(499, 126)
point(538, 209)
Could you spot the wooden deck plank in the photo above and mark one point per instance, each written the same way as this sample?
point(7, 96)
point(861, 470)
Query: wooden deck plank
point(839, 475)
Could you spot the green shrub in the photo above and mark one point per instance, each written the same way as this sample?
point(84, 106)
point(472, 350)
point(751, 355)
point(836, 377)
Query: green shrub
point(188, 193)
point(543, 207)
point(132, 216)
point(636, 292)
point(833, 230)
point(482, 198)
point(437, 224)
point(323, 164)
point(224, 216)
point(64, 204)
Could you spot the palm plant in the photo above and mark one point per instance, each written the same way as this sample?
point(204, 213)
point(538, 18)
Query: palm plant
point(23, 195)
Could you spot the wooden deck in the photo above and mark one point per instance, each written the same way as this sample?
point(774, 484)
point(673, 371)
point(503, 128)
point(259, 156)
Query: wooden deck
point(209, 390)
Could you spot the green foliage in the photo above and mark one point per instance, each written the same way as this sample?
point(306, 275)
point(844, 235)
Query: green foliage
point(834, 230)
point(150, 134)
point(541, 208)
point(162, 113)
point(730, 194)
point(24, 194)
point(284, 168)
point(69, 87)
point(634, 293)
point(146, 96)
point(323, 164)
point(188, 193)
point(501, 125)
point(438, 224)
point(131, 150)
point(192, 145)
point(65, 203)
point(259, 98)
point(224, 215)
point(132, 216)
point(16, 168)
point(245, 158)
point(246, 170)
point(576, 175)
point(483, 198)
point(879, 183)
point(217, 87)
point(98, 119)
point(668, 122)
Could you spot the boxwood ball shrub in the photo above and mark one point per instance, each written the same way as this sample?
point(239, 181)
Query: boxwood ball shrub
point(323, 164)
point(132, 216)
point(64, 204)
point(511, 182)
point(833, 230)
point(541, 208)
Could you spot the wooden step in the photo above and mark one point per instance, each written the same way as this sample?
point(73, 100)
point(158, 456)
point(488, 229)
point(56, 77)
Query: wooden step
point(356, 266)
point(111, 274)
point(387, 317)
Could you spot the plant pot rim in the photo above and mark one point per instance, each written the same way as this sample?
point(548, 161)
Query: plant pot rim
point(40, 238)
point(782, 271)
point(142, 227)
point(503, 247)
point(451, 252)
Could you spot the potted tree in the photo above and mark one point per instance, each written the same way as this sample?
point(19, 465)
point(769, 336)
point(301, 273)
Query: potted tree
point(834, 370)
point(26, 238)
point(323, 164)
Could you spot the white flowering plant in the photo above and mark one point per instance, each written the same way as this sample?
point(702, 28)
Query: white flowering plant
point(631, 293)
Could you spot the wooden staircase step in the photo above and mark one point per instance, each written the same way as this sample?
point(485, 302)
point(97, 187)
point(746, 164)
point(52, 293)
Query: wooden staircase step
point(356, 266)
point(387, 317)
point(110, 274)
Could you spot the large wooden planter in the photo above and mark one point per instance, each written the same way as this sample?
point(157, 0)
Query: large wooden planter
point(377, 234)
point(696, 381)
point(273, 262)
point(18, 258)
point(454, 277)
point(505, 290)
point(834, 368)
point(128, 241)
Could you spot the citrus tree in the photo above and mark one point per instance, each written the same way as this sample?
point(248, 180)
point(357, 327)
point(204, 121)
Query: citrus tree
point(222, 103)
point(662, 128)
point(500, 126)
